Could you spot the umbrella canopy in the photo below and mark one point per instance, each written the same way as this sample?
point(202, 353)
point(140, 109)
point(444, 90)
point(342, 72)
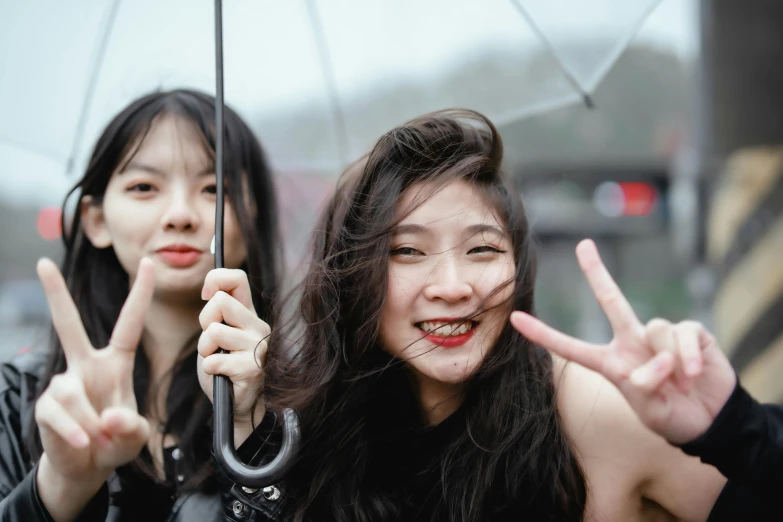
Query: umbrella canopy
point(319, 80)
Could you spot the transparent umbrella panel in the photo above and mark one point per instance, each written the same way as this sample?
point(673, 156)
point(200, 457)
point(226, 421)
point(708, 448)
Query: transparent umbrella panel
point(318, 80)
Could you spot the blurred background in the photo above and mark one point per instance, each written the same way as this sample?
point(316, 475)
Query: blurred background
point(676, 172)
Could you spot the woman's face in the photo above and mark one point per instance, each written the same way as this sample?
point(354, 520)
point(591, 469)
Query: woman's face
point(162, 206)
point(447, 257)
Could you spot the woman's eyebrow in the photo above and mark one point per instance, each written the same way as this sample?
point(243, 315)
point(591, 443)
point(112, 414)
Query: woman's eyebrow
point(135, 165)
point(410, 228)
point(470, 231)
point(207, 171)
point(483, 228)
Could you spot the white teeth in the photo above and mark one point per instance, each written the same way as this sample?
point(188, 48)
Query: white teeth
point(446, 329)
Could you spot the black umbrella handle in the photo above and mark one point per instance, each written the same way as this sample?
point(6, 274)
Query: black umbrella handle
point(227, 459)
point(226, 455)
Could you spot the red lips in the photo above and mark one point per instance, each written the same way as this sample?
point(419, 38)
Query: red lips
point(450, 341)
point(179, 256)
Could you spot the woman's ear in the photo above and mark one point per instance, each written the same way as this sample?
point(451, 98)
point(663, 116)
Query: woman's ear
point(94, 223)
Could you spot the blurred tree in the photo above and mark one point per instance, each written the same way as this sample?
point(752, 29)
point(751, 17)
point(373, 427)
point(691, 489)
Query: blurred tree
point(643, 101)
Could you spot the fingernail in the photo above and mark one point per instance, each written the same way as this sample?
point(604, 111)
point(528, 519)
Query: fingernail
point(639, 377)
point(80, 440)
point(661, 365)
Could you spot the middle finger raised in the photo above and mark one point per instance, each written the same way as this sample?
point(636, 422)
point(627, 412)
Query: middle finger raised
point(609, 296)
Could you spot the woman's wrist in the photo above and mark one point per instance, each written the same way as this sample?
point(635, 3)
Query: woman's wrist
point(65, 497)
point(245, 426)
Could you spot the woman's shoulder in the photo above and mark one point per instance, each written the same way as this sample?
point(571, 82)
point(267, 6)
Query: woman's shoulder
point(602, 426)
point(18, 382)
point(22, 371)
point(588, 403)
point(19, 379)
point(622, 459)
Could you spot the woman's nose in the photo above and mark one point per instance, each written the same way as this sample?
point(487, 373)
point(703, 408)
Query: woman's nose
point(448, 282)
point(181, 214)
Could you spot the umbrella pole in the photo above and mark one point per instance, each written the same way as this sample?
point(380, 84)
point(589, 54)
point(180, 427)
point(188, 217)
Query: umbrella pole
point(223, 397)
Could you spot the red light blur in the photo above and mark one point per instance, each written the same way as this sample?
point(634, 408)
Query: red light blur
point(49, 224)
point(640, 198)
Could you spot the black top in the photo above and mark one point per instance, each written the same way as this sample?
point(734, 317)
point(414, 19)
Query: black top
point(158, 495)
point(745, 443)
point(412, 456)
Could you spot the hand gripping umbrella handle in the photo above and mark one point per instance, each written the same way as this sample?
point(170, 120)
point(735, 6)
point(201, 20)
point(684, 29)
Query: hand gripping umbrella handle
point(223, 440)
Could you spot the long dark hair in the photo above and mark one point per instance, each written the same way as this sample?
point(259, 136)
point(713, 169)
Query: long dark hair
point(511, 452)
point(100, 285)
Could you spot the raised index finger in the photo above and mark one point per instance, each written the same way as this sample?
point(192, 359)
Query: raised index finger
point(130, 324)
point(65, 316)
point(590, 356)
point(612, 301)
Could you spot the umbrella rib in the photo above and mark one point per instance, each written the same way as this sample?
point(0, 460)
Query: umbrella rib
point(587, 99)
point(331, 86)
point(39, 151)
point(91, 84)
point(651, 6)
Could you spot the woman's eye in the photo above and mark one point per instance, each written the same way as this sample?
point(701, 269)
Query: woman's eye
point(486, 249)
point(211, 189)
point(141, 187)
point(405, 251)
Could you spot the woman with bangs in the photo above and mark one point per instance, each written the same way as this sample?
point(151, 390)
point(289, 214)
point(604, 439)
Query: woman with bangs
point(427, 390)
point(125, 432)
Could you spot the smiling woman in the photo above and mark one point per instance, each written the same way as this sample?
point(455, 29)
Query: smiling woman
point(419, 396)
point(449, 256)
point(132, 413)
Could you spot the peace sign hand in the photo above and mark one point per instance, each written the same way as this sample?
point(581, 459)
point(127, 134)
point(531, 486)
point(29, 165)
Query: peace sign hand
point(673, 375)
point(87, 416)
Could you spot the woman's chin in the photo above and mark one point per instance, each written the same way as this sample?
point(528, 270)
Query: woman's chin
point(450, 373)
point(183, 290)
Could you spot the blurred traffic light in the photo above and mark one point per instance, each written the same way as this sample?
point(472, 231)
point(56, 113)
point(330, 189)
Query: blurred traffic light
point(625, 198)
point(596, 200)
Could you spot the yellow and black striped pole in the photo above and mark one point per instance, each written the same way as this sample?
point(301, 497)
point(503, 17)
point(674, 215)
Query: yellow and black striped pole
point(742, 132)
point(745, 244)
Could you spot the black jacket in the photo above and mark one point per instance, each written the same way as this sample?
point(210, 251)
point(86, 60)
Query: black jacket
point(745, 443)
point(19, 500)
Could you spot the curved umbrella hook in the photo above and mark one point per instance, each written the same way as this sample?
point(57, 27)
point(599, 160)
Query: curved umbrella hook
point(223, 400)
